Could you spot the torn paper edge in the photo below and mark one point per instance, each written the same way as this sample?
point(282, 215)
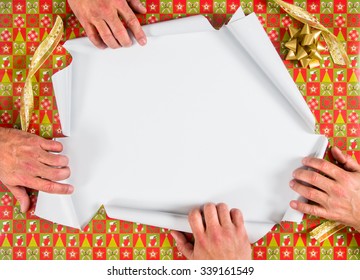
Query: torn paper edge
point(186, 25)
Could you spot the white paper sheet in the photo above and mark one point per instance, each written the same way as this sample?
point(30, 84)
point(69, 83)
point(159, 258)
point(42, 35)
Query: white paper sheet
point(195, 116)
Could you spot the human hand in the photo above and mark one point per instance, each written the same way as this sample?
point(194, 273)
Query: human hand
point(27, 162)
point(222, 236)
point(100, 19)
point(337, 192)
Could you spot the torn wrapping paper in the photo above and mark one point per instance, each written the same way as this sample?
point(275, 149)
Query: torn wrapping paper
point(197, 115)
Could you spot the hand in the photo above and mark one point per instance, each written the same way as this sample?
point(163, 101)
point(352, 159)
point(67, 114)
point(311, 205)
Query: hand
point(100, 19)
point(337, 192)
point(27, 161)
point(221, 237)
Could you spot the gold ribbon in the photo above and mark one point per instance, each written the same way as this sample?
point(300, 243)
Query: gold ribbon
point(325, 230)
point(304, 46)
point(41, 54)
point(336, 48)
point(340, 57)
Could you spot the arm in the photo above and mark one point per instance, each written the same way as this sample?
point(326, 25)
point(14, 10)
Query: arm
point(27, 161)
point(337, 192)
point(100, 19)
point(221, 235)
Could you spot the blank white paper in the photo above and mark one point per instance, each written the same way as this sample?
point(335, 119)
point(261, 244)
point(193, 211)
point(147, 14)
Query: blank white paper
point(197, 115)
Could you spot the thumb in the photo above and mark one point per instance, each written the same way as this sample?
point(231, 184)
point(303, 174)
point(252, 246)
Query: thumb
point(346, 160)
point(183, 245)
point(22, 196)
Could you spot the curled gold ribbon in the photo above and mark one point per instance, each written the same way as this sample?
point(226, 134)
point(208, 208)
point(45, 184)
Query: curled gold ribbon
point(336, 49)
point(325, 230)
point(41, 54)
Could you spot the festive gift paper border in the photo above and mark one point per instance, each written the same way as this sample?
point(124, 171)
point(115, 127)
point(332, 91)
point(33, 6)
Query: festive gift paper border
point(330, 91)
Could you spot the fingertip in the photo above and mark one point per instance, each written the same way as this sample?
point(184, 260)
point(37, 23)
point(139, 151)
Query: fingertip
point(101, 46)
point(236, 216)
point(142, 9)
point(305, 160)
point(24, 204)
point(193, 213)
point(66, 160)
point(209, 207)
point(236, 211)
point(292, 184)
point(336, 152)
point(142, 41)
point(51, 145)
point(70, 189)
point(175, 235)
point(335, 148)
point(294, 204)
point(96, 40)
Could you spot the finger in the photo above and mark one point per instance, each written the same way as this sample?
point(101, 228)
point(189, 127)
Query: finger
point(309, 193)
point(94, 36)
point(53, 159)
point(119, 31)
point(238, 220)
point(133, 24)
point(306, 208)
point(346, 160)
point(313, 178)
point(224, 214)
point(22, 196)
point(49, 186)
point(323, 166)
point(51, 145)
point(53, 173)
point(137, 6)
point(196, 222)
point(211, 215)
point(237, 217)
point(184, 246)
point(106, 34)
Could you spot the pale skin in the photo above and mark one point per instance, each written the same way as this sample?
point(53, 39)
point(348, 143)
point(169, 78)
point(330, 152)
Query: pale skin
point(219, 234)
point(337, 196)
point(31, 162)
point(102, 24)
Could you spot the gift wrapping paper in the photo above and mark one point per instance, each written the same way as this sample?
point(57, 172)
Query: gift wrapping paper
point(331, 91)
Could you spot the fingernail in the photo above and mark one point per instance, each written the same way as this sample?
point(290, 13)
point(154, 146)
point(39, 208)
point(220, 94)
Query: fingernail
point(305, 160)
point(22, 208)
point(142, 7)
point(142, 41)
point(293, 204)
point(292, 183)
point(70, 189)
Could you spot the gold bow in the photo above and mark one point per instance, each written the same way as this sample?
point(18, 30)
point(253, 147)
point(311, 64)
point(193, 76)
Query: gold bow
point(304, 46)
point(336, 48)
point(40, 56)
